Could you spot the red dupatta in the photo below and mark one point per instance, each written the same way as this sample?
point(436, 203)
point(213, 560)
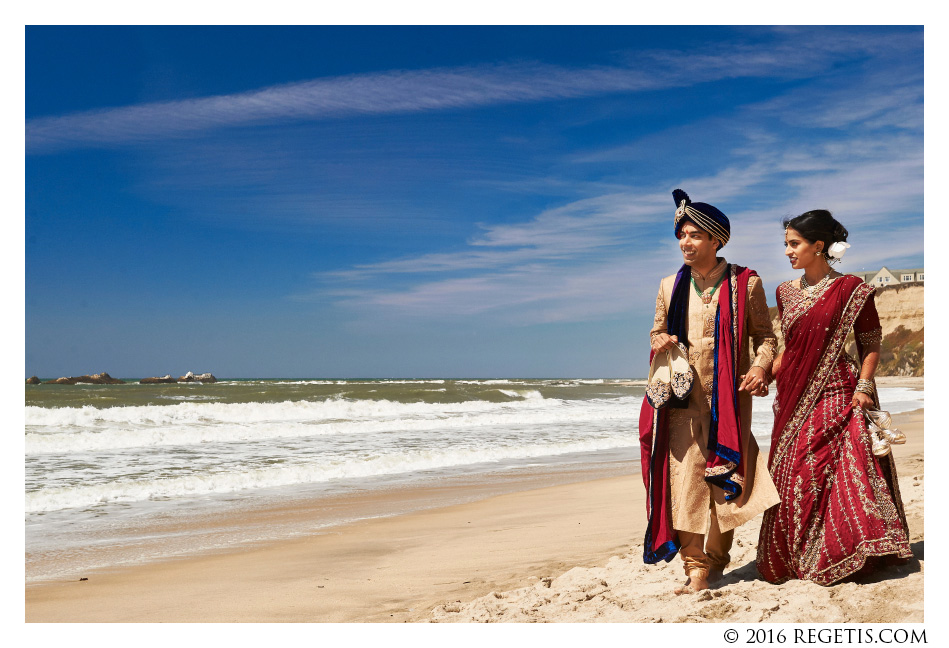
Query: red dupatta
point(814, 337)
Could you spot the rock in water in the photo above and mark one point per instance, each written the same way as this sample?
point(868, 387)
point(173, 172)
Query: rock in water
point(151, 381)
point(203, 378)
point(95, 379)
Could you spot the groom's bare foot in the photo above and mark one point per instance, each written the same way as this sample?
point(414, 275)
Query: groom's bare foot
point(693, 585)
point(698, 583)
point(684, 589)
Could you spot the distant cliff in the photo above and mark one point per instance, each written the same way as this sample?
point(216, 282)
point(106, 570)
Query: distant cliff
point(901, 316)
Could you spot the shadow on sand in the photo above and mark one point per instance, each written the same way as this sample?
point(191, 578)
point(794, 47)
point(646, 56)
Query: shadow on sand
point(749, 572)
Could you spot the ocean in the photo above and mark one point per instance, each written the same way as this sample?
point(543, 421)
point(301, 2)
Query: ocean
point(118, 474)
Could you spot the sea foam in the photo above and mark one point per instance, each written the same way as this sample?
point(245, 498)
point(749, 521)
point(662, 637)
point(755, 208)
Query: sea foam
point(88, 429)
point(397, 462)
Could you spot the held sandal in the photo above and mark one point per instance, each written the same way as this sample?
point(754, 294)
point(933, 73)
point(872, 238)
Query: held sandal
point(881, 434)
point(883, 421)
point(879, 444)
point(682, 376)
point(659, 389)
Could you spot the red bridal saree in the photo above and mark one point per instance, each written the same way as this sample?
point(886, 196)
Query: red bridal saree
point(840, 509)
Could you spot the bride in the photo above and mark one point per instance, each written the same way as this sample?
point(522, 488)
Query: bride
point(840, 511)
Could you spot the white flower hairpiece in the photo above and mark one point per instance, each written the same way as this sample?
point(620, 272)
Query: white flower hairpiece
point(837, 249)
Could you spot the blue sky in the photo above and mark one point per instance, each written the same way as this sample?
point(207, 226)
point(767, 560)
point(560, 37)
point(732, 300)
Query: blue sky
point(434, 201)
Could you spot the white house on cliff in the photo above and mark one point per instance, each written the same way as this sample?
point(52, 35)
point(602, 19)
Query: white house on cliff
point(886, 277)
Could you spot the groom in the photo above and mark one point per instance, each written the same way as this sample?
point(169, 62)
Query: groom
point(703, 473)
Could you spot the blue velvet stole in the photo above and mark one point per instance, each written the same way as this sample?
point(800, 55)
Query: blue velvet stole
point(677, 320)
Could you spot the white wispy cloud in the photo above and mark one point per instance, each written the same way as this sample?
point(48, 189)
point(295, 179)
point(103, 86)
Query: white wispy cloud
point(528, 294)
point(893, 98)
point(878, 199)
point(401, 91)
point(790, 52)
point(586, 259)
point(387, 92)
point(581, 228)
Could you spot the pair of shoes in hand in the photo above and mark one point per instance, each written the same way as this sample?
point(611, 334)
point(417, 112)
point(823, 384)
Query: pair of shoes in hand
point(669, 375)
point(882, 435)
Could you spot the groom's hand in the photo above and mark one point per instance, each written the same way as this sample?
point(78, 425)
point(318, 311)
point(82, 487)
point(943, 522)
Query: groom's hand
point(663, 342)
point(755, 382)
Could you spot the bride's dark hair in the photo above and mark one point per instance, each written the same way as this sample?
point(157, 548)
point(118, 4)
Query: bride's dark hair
point(817, 225)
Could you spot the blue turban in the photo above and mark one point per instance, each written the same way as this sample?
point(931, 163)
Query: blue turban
point(705, 216)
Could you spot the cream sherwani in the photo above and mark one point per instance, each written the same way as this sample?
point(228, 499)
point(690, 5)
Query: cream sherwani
point(693, 499)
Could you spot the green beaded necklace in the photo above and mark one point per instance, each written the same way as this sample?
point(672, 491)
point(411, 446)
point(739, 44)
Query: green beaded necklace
point(707, 298)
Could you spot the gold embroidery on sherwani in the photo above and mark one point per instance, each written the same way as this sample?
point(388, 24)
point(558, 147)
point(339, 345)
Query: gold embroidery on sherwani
point(761, 319)
point(709, 329)
point(659, 322)
point(694, 356)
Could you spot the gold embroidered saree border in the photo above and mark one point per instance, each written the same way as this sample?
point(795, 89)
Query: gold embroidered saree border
point(877, 548)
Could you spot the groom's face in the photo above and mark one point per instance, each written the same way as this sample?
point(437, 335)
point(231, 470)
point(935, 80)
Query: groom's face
point(698, 246)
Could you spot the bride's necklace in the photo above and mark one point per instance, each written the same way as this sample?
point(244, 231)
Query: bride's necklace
point(813, 292)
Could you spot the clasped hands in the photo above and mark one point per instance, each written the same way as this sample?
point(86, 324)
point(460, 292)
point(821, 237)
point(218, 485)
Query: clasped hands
point(754, 382)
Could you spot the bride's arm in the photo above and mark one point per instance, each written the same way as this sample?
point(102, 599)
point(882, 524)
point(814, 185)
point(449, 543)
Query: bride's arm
point(776, 367)
point(869, 336)
point(867, 369)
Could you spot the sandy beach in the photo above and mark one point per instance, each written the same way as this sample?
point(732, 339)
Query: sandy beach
point(565, 553)
point(625, 590)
